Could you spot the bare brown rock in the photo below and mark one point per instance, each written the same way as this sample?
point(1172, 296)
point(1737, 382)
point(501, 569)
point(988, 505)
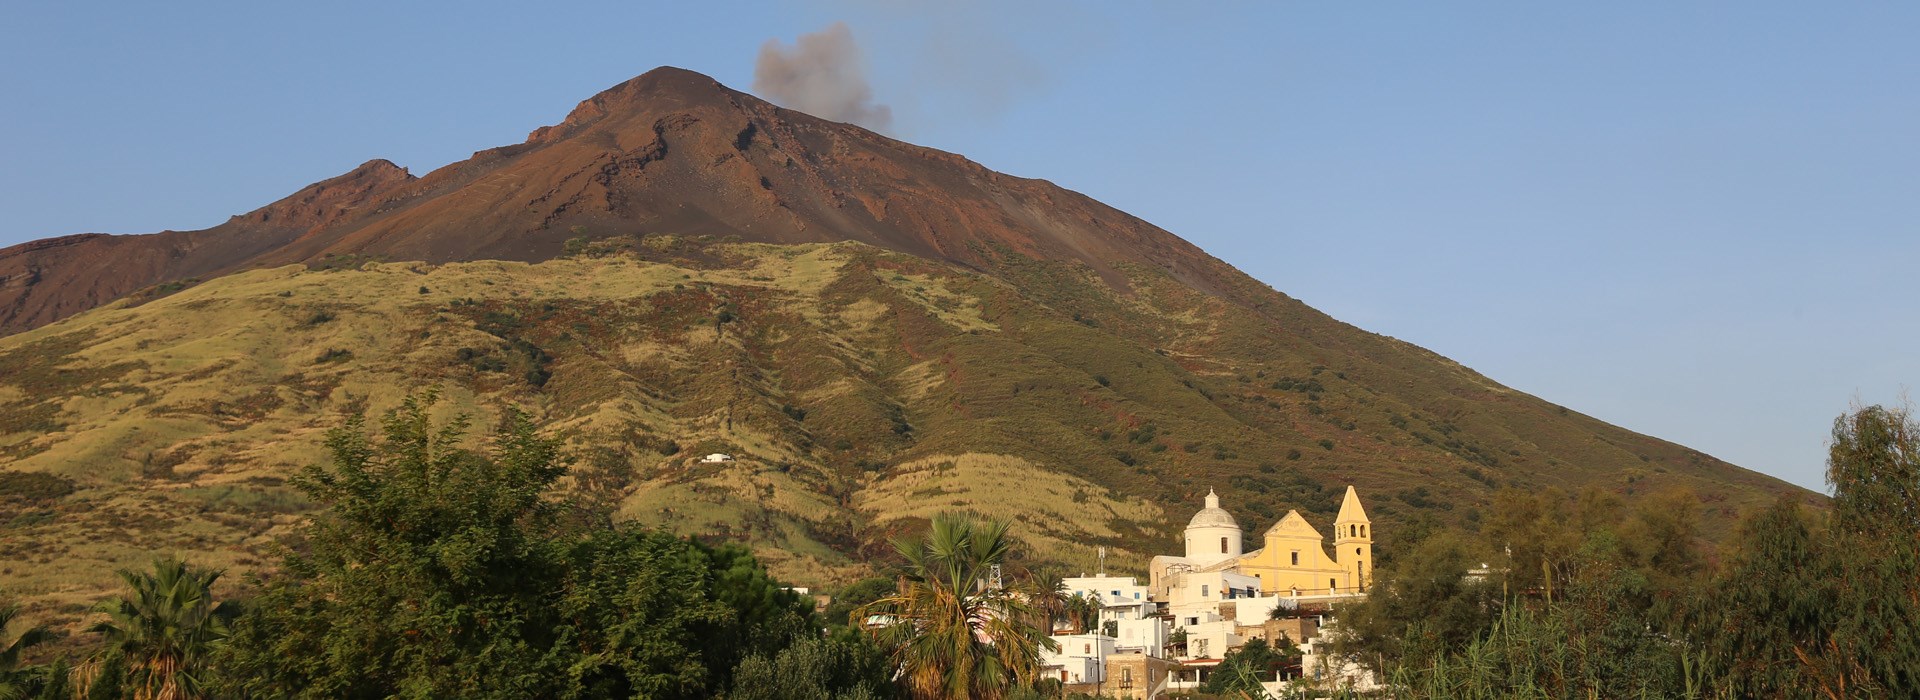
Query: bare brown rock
point(670, 151)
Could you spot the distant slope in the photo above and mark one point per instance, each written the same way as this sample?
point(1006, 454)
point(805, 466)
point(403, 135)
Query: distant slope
point(48, 280)
point(861, 390)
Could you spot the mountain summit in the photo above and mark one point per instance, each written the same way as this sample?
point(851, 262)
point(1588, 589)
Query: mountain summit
point(670, 151)
point(874, 331)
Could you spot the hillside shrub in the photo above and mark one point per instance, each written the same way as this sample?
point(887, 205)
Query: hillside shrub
point(34, 487)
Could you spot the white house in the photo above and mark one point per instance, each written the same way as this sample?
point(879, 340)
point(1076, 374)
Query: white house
point(716, 458)
point(1121, 597)
point(1081, 659)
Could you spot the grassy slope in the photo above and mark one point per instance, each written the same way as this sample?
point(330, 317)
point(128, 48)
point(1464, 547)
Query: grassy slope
point(861, 390)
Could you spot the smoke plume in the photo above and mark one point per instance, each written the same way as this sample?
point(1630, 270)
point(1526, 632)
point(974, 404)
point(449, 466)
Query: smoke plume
point(822, 75)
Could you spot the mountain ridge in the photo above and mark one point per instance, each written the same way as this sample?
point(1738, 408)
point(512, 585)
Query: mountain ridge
point(752, 170)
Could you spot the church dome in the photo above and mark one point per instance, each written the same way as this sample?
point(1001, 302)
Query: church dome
point(1213, 515)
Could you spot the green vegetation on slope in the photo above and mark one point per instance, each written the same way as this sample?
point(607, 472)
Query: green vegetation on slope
point(859, 390)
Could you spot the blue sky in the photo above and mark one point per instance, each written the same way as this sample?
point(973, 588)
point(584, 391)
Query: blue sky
point(1696, 220)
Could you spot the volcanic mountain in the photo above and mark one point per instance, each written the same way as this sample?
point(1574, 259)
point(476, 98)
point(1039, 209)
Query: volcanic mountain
point(874, 330)
point(671, 151)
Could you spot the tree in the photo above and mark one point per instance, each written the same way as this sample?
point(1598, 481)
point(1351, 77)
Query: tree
point(1874, 468)
point(18, 681)
point(1424, 606)
point(953, 633)
point(435, 570)
point(160, 635)
point(1244, 669)
point(1047, 593)
point(414, 579)
point(1828, 611)
point(1768, 607)
point(855, 595)
point(1083, 611)
point(844, 666)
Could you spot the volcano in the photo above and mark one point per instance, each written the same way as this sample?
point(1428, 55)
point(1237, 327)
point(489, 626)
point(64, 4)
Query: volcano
point(874, 330)
point(670, 151)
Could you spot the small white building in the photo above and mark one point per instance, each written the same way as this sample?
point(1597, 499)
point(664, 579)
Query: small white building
point(1081, 659)
point(716, 458)
point(1121, 597)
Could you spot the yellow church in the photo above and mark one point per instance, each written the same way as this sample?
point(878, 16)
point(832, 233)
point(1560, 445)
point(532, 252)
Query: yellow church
point(1292, 561)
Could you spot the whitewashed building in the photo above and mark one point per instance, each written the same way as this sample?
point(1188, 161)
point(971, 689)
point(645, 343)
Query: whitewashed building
point(1081, 658)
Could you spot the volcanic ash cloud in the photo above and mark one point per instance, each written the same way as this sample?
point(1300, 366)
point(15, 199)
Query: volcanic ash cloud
point(822, 74)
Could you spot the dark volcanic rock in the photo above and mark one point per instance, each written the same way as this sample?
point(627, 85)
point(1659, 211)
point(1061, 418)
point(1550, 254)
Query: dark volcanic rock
point(670, 151)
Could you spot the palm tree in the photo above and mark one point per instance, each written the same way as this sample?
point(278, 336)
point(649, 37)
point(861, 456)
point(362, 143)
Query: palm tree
point(160, 633)
point(1084, 611)
point(17, 682)
point(1047, 593)
point(954, 633)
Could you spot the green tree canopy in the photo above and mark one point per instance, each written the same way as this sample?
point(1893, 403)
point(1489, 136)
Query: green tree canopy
point(436, 570)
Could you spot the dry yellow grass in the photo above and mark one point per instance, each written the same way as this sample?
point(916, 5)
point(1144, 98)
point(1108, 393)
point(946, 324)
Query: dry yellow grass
point(1055, 512)
point(229, 389)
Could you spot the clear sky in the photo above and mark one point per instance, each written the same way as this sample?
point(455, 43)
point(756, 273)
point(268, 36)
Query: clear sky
point(1696, 220)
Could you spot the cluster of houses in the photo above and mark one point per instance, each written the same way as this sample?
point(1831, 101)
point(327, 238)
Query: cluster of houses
point(1170, 634)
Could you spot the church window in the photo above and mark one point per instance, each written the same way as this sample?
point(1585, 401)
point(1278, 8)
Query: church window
point(1363, 531)
point(1203, 590)
point(1356, 550)
point(1086, 648)
point(1223, 545)
point(1332, 584)
point(1296, 558)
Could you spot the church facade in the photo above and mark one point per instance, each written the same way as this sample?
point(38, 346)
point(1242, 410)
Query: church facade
point(1292, 561)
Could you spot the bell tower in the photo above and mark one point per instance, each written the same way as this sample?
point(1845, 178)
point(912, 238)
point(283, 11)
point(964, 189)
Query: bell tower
point(1353, 541)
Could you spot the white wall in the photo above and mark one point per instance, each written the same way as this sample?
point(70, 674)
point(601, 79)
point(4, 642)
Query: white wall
point(1254, 611)
point(1081, 655)
point(1212, 640)
point(1149, 634)
point(1203, 544)
point(1121, 597)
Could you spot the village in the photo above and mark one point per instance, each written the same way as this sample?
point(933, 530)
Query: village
point(1171, 634)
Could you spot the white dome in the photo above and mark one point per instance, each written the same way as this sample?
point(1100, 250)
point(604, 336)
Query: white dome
point(1213, 515)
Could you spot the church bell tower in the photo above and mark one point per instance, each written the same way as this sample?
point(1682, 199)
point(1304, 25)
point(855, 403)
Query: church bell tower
point(1353, 542)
